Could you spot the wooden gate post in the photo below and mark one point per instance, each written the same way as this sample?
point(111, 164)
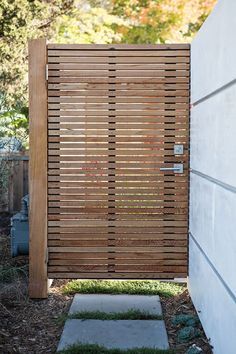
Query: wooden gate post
point(38, 282)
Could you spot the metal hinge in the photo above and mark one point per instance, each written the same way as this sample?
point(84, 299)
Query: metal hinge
point(47, 256)
point(46, 72)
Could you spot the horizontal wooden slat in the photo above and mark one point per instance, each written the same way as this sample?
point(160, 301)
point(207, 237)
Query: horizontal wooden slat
point(120, 180)
point(105, 106)
point(156, 47)
point(118, 213)
point(124, 230)
point(127, 236)
point(90, 178)
point(129, 119)
point(113, 275)
point(119, 268)
point(78, 113)
point(118, 73)
point(183, 52)
point(117, 242)
point(136, 261)
point(77, 154)
point(142, 157)
point(108, 66)
point(119, 127)
point(182, 183)
point(117, 196)
point(90, 191)
point(123, 257)
point(136, 204)
point(123, 80)
point(118, 134)
point(88, 101)
point(122, 216)
point(145, 173)
point(164, 84)
point(145, 92)
point(119, 60)
point(175, 249)
point(119, 142)
point(105, 230)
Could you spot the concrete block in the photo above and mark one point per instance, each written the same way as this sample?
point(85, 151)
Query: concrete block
point(125, 334)
point(116, 303)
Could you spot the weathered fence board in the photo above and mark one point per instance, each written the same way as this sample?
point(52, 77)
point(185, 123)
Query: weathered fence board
point(14, 180)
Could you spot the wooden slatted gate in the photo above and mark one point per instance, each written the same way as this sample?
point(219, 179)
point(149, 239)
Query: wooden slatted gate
point(115, 114)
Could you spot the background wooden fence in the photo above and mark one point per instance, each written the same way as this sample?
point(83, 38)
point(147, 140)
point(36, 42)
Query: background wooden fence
point(14, 180)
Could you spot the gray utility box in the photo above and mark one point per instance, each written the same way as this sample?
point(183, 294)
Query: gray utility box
point(20, 230)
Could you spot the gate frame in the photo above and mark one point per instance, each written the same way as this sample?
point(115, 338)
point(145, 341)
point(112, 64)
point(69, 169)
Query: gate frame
point(38, 117)
point(38, 169)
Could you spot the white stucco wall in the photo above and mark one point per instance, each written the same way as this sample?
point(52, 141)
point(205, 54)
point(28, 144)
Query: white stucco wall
point(212, 249)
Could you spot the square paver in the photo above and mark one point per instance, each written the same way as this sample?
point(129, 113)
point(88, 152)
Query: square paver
point(122, 334)
point(116, 303)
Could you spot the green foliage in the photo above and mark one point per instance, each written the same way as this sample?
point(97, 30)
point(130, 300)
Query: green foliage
point(160, 21)
point(15, 123)
point(81, 21)
point(138, 287)
point(95, 349)
point(86, 24)
point(21, 20)
point(142, 34)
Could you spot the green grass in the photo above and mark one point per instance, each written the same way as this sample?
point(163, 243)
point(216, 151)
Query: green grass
point(137, 287)
point(96, 349)
point(131, 314)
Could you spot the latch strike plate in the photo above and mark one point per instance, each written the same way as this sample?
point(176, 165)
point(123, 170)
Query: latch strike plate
point(46, 72)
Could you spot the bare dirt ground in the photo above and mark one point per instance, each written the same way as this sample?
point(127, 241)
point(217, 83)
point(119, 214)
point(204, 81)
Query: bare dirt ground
point(29, 326)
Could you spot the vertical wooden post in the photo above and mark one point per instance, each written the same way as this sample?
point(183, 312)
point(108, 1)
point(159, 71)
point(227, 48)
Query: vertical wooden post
point(38, 282)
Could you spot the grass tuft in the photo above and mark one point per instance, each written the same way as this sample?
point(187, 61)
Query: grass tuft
point(131, 314)
point(132, 287)
point(97, 349)
point(8, 273)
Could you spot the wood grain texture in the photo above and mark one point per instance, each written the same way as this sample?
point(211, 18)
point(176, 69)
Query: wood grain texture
point(114, 115)
point(38, 169)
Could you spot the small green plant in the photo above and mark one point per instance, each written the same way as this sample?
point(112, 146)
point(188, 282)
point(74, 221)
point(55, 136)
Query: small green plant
point(134, 287)
point(14, 123)
point(97, 349)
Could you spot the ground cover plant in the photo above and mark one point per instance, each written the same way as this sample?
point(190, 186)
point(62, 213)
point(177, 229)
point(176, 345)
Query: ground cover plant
point(132, 287)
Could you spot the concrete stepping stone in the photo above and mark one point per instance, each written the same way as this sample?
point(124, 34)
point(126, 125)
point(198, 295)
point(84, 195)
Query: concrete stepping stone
point(122, 334)
point(116, 303)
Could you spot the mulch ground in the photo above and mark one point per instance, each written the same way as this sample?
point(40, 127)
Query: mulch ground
point(175, 306)
point(29, 326)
